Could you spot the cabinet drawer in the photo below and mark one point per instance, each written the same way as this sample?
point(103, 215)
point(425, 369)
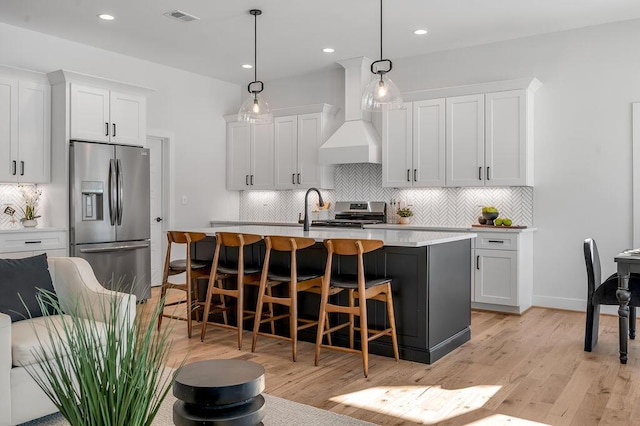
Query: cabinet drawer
point(498, 241)
point(32, 241)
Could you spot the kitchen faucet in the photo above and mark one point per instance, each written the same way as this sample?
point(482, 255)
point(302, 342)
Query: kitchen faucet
point(306, 206)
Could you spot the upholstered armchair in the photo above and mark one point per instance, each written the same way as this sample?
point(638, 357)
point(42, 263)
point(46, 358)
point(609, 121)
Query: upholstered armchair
point(73, 279)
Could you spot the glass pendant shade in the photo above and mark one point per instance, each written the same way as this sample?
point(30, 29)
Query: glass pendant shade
point(255, 110)
point(381, 93)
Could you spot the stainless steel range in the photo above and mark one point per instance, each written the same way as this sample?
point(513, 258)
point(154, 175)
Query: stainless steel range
point(356, 214)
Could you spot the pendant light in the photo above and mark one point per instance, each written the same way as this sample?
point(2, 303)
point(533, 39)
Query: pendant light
point(381, 91)
point(255, 108)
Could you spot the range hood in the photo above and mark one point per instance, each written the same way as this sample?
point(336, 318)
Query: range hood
point(356, 141)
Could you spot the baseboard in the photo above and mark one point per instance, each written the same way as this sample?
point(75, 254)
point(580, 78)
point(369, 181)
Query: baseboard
point(560, 303)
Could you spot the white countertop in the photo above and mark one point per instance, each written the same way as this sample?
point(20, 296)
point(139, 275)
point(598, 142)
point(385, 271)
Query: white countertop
point(391, 237)
point(412, 227)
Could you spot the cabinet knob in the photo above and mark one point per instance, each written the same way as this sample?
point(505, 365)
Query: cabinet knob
point(158, 219)
point(408, 175)
point(488, 174)
point(480, 173)
point(15, 167)
point(114, 129)
point(106, 129)
point(22, 168)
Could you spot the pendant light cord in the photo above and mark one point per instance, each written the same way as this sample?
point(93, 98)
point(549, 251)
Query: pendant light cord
point(380, 29)
point(255, 47)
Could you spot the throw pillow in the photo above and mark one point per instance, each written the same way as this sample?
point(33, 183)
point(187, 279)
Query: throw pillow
point(22, 278)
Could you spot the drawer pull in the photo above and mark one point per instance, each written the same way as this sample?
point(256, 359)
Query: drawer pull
point(497, 241)
point(478, 262)
point(33, 242)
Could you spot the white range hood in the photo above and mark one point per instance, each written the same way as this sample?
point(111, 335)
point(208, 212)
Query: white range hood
point(356, 141)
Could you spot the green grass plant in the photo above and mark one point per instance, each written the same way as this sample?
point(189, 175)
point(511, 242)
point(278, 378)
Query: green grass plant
point(110, 373)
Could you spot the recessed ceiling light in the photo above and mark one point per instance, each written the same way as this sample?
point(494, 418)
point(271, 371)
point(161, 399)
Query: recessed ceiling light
point(106, 17)
point(420, 32)
point(328, 50)
point(247, 66)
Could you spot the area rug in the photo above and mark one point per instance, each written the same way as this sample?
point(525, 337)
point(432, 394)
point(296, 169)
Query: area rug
point(278, 412)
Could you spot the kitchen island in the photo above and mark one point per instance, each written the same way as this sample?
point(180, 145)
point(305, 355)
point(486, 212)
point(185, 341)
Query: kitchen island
point(431, 274)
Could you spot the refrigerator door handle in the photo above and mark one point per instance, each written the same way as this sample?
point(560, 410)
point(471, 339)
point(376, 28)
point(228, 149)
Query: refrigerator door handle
point(112, 192)
point(117, 248)
point(120, 190)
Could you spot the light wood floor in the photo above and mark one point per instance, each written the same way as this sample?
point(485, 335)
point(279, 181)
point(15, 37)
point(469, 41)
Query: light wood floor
point(515, 370)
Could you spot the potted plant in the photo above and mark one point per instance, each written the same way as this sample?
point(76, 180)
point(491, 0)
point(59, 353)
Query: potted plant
point(30, 209)
point(404, 213)
point(119, 379)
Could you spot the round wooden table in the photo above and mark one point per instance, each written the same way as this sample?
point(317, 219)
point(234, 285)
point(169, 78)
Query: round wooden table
point(219, 392)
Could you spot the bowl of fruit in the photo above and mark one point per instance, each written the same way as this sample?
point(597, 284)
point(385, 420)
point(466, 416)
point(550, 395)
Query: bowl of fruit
point(489, 214)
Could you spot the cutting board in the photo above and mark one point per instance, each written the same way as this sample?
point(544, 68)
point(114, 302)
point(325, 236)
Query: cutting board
point(477, 225)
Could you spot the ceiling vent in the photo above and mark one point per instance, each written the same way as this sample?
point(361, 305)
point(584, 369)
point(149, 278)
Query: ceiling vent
point(181, 16)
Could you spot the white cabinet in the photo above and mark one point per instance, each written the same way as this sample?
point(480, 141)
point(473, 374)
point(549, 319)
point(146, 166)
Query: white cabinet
point(489, 139)
point(102, 115)
point(508, 138)
point(297, 140)
point(25, 131)
point(249, 156)
point(465, 141)
point(413, 145)
point(19, 244)
point(503, 271)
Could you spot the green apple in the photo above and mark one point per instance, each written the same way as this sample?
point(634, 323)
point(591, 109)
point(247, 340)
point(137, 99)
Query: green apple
point(506, 222)
point(497, 222)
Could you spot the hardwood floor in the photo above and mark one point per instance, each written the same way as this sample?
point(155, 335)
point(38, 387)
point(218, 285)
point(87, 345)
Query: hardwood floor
point(516, 369)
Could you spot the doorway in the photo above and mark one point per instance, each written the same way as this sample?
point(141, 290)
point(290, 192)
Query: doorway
point(159, 202)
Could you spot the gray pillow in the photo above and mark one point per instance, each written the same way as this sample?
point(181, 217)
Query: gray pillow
point(23, 278)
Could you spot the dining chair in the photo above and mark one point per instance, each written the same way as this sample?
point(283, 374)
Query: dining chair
point(298, 279)
point(361, 288)
point(192, 270)
point(224, 273)
point(604, 293)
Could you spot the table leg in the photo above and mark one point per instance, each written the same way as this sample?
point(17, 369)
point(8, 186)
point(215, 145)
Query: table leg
point(624, 295)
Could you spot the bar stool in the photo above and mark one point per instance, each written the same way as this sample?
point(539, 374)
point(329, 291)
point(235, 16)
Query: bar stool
point(244, 274)
point(360, 287)
point(299, 281)
point(193, 271)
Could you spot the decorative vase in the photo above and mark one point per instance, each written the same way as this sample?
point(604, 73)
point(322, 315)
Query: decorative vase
point(404, 220)
point(30, 223)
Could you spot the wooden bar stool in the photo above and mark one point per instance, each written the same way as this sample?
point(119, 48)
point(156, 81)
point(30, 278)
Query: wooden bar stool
point(299, 281)
point(360, 288)
point(193, 271)
point(223, 273)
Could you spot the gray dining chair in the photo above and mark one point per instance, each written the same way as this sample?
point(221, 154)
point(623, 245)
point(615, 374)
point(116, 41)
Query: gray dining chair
point(604, 293)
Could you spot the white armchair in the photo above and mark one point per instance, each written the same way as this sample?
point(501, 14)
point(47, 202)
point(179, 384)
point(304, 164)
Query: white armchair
point(21, 399)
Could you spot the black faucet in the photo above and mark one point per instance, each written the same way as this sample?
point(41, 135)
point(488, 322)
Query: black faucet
point(306, 207)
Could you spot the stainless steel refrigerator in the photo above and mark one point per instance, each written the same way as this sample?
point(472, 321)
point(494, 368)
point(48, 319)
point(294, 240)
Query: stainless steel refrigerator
point(109, 214)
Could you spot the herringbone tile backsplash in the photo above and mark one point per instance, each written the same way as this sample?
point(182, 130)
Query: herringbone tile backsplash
point(458, 207)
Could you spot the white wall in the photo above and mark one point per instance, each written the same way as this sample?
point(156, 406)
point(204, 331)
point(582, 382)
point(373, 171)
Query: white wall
point(188, 105)
point(582, 131)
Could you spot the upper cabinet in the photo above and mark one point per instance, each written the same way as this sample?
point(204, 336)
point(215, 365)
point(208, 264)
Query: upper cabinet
point(103, 115)
point(280, 155)
point(465, 141)
point(474, 139)
point(249, 156)
point(25, 127)
point(297, 139)
point(413, 145)
point(489, 140)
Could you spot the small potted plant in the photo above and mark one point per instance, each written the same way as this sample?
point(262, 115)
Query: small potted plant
point(404, 213)
point(30, 209)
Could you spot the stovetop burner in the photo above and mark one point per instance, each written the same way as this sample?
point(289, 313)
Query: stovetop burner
point(355, 214)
